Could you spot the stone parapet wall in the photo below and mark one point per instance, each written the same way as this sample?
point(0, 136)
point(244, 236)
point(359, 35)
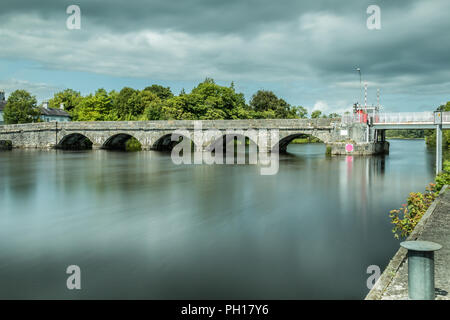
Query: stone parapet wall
point(51, 134)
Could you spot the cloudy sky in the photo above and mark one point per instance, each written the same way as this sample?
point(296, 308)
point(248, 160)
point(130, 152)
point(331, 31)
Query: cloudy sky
point(304, 51)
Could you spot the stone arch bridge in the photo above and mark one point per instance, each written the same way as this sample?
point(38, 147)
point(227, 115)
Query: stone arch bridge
point(156, 135)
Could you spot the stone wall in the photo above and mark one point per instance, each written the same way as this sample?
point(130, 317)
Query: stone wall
point(51, 134)
point(149, 133)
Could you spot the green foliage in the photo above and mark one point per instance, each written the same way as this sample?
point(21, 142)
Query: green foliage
point(405, 134)
point(21, 108)
point(133, 145)
point(334, 115)
point(163, 93)
point(301, 112)
point(443, 178)
point(70, 98)
point(406, 218)
point(266, 104)
point(328, 151)
point(96, 107)
point(207, 101)
point(316, 114)
point(307, 139)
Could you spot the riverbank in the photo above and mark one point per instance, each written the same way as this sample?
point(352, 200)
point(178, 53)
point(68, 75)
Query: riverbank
point(306, 140)
point(434, 226)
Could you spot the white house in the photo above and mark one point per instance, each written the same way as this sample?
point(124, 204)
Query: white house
point(52, 115)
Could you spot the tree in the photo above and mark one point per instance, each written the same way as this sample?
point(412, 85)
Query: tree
point(21, 108)
point(301, 112)
point(206, 101)
point(162, 92)
point(316, 114)
point(122, 106)
point(264, 101)
point(70, 98)
point(96, 107)
point(334, 115)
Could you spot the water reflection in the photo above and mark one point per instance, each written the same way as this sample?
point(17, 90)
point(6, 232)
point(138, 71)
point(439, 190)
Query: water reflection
point(141, 227)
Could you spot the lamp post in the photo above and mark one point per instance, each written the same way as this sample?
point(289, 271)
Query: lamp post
point(360, 83)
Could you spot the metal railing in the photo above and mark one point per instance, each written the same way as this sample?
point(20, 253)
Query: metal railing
point(353, 118)
point(446, 117)
point(404, 117)
point(396, 118)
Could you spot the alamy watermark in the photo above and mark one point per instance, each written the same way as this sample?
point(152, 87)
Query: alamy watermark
point(375, 273)
point(374, 20)
point(73, 22)
point(74, 280)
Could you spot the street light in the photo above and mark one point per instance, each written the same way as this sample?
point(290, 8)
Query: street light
point(360, 83)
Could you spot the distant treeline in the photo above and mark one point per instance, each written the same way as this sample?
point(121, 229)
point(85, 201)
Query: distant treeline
point(207, 101)
point(405, 134)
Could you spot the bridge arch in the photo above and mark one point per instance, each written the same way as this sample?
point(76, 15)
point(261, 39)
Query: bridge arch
point(164, 142)
point(284, 141)
point(237, 138)
point(75, 141)
point(119, 141)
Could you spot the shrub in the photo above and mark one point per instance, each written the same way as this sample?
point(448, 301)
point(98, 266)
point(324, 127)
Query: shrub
point(406, 218)
point(443, 178)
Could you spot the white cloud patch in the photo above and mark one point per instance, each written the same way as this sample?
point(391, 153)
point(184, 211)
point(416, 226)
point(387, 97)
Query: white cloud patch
point(39, 89)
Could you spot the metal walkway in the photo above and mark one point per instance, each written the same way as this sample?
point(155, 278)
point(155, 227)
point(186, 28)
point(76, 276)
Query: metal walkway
point(410, 120)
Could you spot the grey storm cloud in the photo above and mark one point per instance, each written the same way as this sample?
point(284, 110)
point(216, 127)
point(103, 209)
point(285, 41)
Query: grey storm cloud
point(250, 40)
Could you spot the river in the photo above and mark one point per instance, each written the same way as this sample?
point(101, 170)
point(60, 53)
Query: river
point(139, 226)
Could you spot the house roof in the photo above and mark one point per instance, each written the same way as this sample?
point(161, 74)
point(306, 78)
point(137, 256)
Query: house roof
point(54, 112)
point(44, 111)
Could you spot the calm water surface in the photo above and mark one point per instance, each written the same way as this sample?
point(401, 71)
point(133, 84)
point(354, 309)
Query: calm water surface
point(141, 227)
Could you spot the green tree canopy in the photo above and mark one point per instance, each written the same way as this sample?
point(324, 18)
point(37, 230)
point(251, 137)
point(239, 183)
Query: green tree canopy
point(96, 107)
point(163, 93)
point(316, 114)
point(21, 108)
point(334, 115)
point(301, 112)
point(70, 98)
point(206, 101)
point(264, 102)
point(122, 104)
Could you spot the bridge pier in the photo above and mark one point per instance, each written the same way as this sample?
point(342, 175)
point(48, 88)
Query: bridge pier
point(359, 148)
point(438, 148)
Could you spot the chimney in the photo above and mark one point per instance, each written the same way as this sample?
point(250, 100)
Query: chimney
point(45, 105)
point(61, 106)
point(2, 95)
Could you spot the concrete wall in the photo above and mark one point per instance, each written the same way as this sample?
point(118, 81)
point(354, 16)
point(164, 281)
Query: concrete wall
point(359, 149)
